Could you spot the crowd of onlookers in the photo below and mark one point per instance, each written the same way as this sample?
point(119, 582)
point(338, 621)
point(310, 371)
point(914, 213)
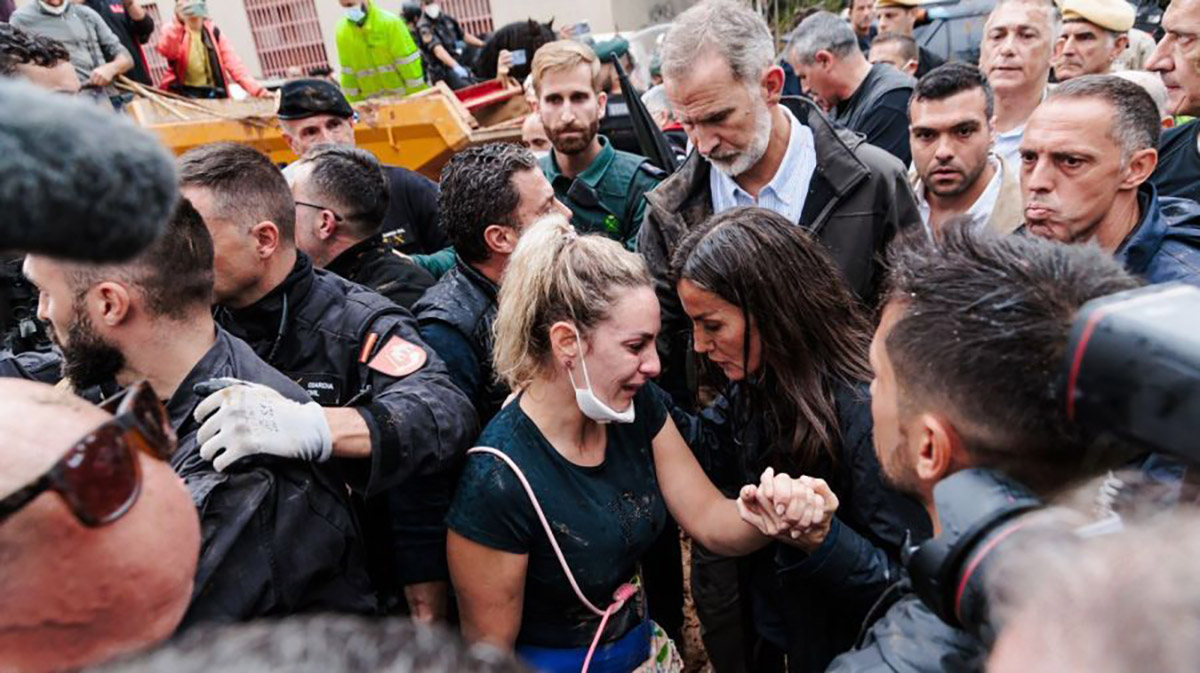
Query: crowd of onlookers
point(814, 326)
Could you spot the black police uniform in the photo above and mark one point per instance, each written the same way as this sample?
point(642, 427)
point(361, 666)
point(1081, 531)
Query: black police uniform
point(456, 317)
point(43, 366)
point(446, 32)
point(332, 337)
point(411, 223)
point(277, 536)
point(374, 264)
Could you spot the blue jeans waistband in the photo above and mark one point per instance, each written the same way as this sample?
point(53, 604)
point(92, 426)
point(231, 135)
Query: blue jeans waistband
point(620, 656)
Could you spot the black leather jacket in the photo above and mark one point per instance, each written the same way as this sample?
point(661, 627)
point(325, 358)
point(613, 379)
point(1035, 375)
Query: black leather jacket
point(464, 301)
point(374, 264)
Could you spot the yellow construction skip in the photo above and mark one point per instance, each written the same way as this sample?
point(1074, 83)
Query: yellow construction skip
point(419, 132)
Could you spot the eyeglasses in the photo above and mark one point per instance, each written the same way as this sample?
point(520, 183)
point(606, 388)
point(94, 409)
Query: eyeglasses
point(336, 217)
point(99, 477)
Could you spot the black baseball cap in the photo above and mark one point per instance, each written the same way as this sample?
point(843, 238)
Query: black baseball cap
point(303, 98)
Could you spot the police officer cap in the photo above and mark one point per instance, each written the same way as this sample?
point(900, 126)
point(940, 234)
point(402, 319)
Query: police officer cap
point(1112, 15)
point(618, 47)
point(411, 9)
point(906, 4)
point(304, 98)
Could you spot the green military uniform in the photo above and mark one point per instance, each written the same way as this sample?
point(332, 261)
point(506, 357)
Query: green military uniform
point(611, 198)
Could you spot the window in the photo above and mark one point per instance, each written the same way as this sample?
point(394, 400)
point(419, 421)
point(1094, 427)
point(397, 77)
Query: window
point(154, 60)
point(287, 35)
point(475, 16)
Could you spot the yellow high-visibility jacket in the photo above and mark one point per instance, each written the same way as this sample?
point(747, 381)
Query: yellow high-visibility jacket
point(378, 58)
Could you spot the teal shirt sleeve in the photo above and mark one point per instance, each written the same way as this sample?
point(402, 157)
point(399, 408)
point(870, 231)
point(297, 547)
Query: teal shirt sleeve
point(438, 263)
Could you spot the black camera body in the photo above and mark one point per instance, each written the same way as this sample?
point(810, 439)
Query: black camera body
point(978, 509)
point(1132, 369)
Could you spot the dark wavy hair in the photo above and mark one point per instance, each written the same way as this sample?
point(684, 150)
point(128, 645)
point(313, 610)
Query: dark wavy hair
point(813, 331)
point(477, 191)
point(19, 47)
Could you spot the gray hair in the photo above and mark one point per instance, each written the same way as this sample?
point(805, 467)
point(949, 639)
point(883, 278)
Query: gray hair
point(735, 31)
point(1052, 13)
point(1136, 123)
point(1129, 601)
point(1152, 83)
point(822, 31)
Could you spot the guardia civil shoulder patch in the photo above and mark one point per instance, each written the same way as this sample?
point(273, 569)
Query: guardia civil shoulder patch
point(398, 358)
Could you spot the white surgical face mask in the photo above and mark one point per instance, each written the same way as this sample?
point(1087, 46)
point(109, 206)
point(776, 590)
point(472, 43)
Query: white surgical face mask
point(541, 154)
point(589, 403)
point(434, 10)
point(57, 11)
point(356, 14)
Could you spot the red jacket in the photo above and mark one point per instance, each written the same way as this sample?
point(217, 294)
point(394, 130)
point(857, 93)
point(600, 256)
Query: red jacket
point(175, 44)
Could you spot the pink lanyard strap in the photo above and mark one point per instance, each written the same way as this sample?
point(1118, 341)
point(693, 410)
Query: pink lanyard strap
point(620, 596)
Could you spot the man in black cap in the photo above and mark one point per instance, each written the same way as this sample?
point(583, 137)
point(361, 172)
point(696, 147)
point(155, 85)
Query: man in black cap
point(314, 112)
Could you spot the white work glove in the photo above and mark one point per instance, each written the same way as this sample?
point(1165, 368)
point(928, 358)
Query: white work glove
point(461, 71)
point(242, 419)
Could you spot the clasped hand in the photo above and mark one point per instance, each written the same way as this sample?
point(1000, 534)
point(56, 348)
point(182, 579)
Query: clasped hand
point(797, 511)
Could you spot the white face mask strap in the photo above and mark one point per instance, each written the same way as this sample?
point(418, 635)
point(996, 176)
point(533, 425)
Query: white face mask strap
point(582, 362)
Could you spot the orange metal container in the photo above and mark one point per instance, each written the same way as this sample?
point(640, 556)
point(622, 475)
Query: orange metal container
point(419, 132)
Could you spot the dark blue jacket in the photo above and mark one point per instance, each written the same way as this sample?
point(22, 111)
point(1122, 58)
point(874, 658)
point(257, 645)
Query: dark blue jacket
point(1165, 246)
point(819, 599)
point(456, 317)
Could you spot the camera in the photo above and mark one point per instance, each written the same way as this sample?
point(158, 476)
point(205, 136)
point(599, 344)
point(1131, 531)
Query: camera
point(1131, 370)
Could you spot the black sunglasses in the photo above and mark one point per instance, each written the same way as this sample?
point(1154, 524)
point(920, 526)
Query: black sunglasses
point(99, 477)
point(336, 216)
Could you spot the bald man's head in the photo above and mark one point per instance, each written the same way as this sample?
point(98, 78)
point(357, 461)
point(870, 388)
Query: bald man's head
point(75, 595)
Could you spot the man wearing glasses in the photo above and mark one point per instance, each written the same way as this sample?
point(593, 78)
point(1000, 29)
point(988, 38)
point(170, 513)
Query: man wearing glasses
point(99, 538)
point(277, 536)
point(341, 199)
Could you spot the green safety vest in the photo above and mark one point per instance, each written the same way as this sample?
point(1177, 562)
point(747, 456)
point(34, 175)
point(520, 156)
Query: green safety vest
point(379, 58)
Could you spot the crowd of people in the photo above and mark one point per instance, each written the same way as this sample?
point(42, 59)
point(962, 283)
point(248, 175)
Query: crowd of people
point(483, 423)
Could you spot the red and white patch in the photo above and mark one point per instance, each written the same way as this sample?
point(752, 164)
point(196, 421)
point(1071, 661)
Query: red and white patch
point(398, 358)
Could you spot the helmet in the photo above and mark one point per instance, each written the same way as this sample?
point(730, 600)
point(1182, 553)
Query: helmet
point(411, 9)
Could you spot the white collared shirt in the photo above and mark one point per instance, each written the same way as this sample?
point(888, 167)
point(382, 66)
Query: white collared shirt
point(981, 210)
point(1008, 145)
point(787, 190)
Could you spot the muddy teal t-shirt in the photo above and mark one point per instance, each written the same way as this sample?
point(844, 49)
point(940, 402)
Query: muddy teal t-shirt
point(604, 518)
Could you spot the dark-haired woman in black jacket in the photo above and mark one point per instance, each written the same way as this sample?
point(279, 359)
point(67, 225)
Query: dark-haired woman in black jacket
point(770, 310)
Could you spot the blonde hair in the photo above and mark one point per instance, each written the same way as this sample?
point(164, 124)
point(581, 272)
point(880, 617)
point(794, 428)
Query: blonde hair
point(556, 274)
point(564, 54)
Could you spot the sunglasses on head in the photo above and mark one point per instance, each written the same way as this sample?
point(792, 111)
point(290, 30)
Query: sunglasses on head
point(99, 477)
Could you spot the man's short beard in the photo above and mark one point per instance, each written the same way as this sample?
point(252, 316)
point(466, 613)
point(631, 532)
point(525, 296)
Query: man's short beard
point(748, 158)
point(88, 360)
point(896, 470)
point(574, 145)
